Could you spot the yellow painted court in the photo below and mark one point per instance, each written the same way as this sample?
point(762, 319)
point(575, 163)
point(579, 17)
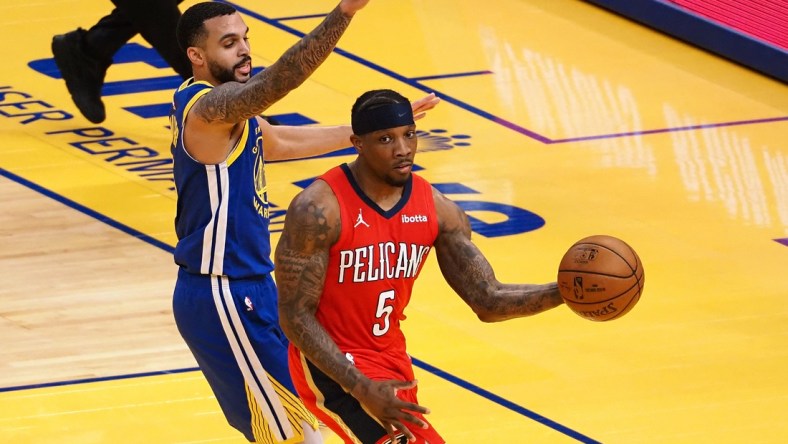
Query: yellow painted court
point(559, 120)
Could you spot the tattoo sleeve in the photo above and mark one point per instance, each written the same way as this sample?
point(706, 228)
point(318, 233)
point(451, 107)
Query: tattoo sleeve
point(471, 276)
point(301, 265)
point(233, 102)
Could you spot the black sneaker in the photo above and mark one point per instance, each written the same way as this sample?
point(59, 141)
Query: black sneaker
point(84, 74)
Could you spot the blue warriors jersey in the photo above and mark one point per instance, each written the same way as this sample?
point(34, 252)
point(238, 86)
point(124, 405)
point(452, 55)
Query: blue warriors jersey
point(222, 215)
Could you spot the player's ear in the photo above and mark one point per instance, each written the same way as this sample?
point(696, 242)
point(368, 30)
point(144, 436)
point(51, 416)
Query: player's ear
point(357, 143)
point(195, 55)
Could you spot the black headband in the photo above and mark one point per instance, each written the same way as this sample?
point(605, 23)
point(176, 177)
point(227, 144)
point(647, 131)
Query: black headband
point(387, 116)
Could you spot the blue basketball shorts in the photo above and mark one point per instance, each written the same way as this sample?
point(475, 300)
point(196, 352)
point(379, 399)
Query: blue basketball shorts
point(232, 329)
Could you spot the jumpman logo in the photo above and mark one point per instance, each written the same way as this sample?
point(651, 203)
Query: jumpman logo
point(360, 220)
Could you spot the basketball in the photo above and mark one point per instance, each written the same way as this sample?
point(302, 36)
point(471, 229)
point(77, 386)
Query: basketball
point(601, 278)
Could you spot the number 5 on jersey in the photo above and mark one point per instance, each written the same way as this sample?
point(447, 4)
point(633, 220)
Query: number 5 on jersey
point(385, 302)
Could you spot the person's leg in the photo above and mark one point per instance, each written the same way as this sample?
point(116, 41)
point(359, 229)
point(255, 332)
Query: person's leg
point(84, 56)
point(156, 21)
point(108, 35)
point(343, 414)
point(334, 406)
point(228, 328)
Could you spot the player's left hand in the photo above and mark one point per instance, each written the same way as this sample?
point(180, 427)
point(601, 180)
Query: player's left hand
point(421, 106)
point(379, 398)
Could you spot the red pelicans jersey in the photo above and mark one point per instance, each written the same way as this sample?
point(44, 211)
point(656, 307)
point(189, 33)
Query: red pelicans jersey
point(371, 272)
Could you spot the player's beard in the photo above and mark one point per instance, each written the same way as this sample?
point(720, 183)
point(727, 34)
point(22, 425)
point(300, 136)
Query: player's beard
point(398, 181)
point(224, 75)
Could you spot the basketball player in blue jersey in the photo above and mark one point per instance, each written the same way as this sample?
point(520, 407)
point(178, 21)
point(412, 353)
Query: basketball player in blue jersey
point(225, 301)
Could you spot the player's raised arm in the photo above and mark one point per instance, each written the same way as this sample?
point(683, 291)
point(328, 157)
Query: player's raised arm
point(234, 102)
point(471, 276)
point(223, 93)
point(283, 142)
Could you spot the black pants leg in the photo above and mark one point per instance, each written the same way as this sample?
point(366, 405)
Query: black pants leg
point(155, 20)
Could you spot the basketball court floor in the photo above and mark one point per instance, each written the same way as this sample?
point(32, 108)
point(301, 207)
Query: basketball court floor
point(559, 121)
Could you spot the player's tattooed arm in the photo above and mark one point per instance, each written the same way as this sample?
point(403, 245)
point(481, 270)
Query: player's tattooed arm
point(311, 227)
point(471, 276)
point(235, 102)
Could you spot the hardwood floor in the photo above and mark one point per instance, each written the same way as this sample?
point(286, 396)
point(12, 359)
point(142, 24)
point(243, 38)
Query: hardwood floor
point(85, 301)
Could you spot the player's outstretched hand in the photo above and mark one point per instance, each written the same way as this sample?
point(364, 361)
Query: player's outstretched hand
point(380, 399)
point(421, 106)
point(350, 7)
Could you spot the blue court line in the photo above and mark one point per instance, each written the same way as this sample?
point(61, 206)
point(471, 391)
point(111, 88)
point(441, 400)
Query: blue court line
point(300, 17)
point(156, 243)
point(97, 379)
point(417, 362)
point(503, 402)
point(414, 82)
point(150, 111)
point(670, 130)
point(450, 76)
point(163, 83)
point(85, 210)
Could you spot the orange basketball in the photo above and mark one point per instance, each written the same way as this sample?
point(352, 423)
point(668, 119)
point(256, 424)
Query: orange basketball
point(601, 278)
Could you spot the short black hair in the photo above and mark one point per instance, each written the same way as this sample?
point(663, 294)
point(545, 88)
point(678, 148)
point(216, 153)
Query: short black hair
point(375, 98)
point(191, 26)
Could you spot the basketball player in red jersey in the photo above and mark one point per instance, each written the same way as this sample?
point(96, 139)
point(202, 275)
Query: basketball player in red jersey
point(353, 244)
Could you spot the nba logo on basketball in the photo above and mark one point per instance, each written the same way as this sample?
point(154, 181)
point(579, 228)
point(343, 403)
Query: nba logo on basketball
point(578, 287)
point(584, 255)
